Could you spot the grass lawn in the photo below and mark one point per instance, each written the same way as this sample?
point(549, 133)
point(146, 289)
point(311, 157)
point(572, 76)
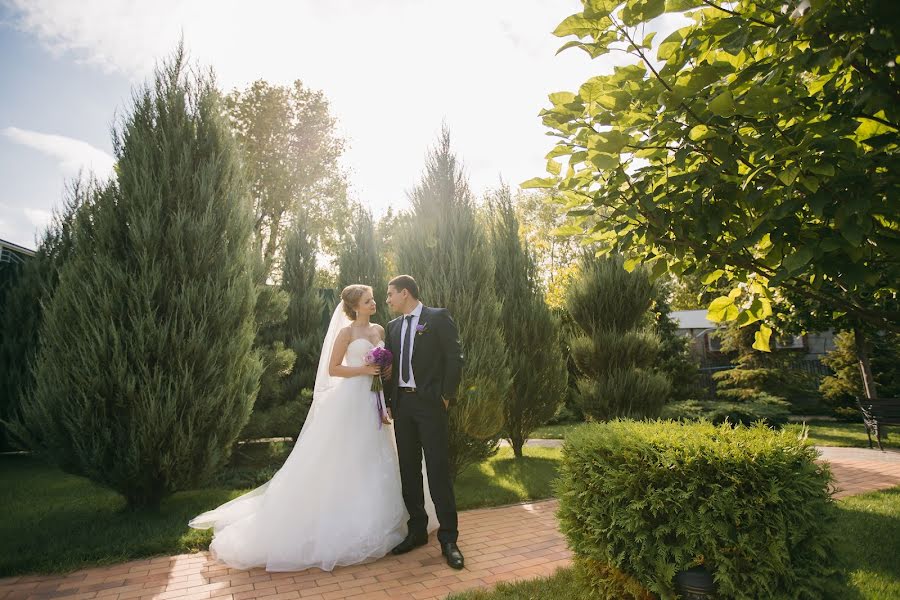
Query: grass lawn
point(821, 433)
point(868, 529)
point(52, 522)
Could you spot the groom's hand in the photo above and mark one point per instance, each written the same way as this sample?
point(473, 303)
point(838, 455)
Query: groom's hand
point(386, 372)
point(390, 414)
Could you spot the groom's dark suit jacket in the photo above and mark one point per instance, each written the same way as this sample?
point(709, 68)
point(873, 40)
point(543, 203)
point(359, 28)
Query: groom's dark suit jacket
point(437, 357)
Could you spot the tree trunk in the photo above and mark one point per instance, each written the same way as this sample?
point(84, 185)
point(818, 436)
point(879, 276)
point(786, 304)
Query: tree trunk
point(517, 442)
point(865, 368)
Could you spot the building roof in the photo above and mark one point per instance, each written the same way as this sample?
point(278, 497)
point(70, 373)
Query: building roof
point(692, 319)
point(16, 248)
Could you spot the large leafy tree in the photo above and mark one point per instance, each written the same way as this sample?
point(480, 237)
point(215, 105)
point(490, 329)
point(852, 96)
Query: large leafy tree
point(145, 373)
point(291, 153)
point(531, 331)
point(446, 248)
point(758, 144)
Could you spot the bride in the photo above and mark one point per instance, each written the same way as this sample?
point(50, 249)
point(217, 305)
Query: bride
point(336, 500)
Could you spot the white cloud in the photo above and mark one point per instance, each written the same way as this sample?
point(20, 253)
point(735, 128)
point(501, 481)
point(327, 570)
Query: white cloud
point(73, 155)
point(394, 70)
point(38, 217)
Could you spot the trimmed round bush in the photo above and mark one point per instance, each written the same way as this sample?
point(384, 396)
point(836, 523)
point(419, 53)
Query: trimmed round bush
point(642, 500)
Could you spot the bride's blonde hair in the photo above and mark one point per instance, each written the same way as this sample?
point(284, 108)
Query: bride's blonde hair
point(351, 295)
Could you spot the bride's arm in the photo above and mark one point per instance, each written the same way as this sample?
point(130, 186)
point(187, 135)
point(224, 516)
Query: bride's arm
point(336, 369)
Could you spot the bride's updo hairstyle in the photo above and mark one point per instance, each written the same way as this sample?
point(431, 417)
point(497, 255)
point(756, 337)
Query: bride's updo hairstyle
point(351, 296)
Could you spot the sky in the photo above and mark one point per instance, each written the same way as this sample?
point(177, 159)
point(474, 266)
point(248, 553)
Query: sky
point(393, 71)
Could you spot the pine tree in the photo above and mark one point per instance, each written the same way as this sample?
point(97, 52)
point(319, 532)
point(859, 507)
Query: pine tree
point(616, 350)
point(531, 332)
point(674, 359)
point(362, 260)
point(146, 374)
point(446, 249)
point(303, 329)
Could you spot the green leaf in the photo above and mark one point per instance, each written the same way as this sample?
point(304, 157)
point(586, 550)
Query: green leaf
point(648, 40)
point(558, 98)
point(722, 309)
point(567, 231)
point(576, 25)
point(631, 264)
point(761, 338)
point(700, 132)
point(553, 167)
point(798, 259)
point(639, 11)
point(723, 104)
point(538, 182)
point(604, 162)
point(789, 175)
point(712, 277)
point(608, 141)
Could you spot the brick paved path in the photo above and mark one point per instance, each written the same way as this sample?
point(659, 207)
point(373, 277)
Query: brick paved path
point(500, 544)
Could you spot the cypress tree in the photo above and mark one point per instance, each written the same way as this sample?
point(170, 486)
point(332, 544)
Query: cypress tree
point(616, 350)
point(146, 373)
point(362, 260)
point(304, 327)
point(24, 302)
point(445, 247)
point(531, 332)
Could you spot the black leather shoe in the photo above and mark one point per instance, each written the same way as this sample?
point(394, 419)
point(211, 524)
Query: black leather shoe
point(454, 556)
point(410, 543)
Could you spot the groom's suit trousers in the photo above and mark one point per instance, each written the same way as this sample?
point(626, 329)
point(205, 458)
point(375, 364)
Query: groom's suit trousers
point(422, 423)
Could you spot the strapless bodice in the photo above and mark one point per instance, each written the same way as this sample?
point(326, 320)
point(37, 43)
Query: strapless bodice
point(357, 350)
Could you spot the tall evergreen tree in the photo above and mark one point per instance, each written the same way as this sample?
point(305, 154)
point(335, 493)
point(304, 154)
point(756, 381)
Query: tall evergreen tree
point(362, 260)
point(303, 329)
point(617, 350)
point(24, 302)
point(146, 373)
point(446, 248)
point(539, 374)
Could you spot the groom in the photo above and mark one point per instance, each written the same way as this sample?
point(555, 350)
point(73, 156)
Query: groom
point(423, 379)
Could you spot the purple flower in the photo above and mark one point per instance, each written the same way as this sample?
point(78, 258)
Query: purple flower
point(421, 328)
point(379, 356)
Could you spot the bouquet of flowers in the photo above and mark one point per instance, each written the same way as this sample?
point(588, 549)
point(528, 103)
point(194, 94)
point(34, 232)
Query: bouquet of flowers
point(383, 358)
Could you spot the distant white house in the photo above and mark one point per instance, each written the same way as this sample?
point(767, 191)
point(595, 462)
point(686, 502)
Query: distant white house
point(694, 324)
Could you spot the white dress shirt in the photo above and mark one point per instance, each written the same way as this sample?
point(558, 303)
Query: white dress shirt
point(416, 313)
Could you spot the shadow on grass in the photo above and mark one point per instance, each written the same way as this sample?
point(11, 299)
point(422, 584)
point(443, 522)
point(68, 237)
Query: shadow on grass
point(868, 530)
point(53, 522)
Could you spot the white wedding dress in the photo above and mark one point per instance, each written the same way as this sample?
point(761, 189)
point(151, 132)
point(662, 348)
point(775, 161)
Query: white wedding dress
point(336, 500)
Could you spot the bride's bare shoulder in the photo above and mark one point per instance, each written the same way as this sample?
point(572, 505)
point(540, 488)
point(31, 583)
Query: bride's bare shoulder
point(379, 329)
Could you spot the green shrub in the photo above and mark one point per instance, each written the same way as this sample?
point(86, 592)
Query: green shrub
point(645, 500)
point(762, 407)
point(284, 420)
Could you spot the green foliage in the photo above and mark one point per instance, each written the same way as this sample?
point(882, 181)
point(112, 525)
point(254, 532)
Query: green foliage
point(24, 303)
point(277, 361)
point(755, 145)
point(760, 407)
point(446, 248)
point(539, 375)
point(145, 373)
point(362, 261)
point(291, 155)
point(675, 359)
point(649, 499)
point(766, 379)
point(304, 328)
point(842, 388)
point(615, 351)
point(284, 420)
